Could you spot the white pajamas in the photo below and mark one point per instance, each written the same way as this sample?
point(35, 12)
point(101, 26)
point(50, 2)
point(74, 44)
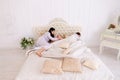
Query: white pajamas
point(43, 41)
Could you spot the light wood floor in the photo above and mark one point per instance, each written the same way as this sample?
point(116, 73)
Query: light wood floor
point(11, 61)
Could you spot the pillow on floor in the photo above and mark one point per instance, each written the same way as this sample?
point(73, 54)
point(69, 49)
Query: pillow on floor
point(71, 65)
point(91, 64)
point(52, 66)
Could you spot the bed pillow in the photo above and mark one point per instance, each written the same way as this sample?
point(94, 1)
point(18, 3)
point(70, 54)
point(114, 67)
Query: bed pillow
point(52, 66)
point(62, 35)
point(71, 65)
point(91, 64)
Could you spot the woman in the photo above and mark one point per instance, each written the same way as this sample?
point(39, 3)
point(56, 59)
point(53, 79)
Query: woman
point(43, 43)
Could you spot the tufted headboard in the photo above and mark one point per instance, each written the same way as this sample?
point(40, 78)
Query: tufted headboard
point(61, 27)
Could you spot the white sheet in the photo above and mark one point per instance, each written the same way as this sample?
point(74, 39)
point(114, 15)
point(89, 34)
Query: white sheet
point(32, 66)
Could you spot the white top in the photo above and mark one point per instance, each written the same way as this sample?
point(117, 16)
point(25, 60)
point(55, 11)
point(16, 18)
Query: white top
point(74, 38)
point(43, 40)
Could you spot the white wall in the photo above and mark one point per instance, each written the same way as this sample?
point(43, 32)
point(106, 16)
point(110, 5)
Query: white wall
point(17, 17)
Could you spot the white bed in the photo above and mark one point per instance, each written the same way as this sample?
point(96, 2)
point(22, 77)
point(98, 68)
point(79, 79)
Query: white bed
point(31, 70)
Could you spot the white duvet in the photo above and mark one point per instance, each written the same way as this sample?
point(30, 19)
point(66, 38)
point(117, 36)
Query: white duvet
point(31, 70)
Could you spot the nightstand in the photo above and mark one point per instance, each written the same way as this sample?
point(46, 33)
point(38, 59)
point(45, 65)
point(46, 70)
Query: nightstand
point(111, 40)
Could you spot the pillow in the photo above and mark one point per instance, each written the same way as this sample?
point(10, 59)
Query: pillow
point(62, 35)
point(91, 64)
point(71, 65)
point(52, 66)
point(64, 45)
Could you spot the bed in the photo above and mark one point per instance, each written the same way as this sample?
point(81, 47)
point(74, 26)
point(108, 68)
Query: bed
point(31, 70)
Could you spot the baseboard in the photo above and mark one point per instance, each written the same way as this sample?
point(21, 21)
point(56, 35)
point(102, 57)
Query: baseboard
point(10, 48)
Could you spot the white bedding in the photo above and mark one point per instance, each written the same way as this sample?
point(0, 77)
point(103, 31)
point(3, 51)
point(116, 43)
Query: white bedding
point(31, 70)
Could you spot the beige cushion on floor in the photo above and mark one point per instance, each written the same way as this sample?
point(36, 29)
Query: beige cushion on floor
point(71, 65)
point(52, 66)
point(91, 64)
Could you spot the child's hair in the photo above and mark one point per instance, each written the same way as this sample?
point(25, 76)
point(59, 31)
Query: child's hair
point(50, 31)
point(78, 33)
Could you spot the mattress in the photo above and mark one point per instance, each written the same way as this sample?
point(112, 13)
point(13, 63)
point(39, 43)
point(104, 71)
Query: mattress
point(31, 70)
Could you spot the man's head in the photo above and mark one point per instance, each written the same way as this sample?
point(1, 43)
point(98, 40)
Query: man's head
point(78, 33)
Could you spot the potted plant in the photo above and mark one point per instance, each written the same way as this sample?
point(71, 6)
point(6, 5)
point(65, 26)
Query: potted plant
point(27, 42)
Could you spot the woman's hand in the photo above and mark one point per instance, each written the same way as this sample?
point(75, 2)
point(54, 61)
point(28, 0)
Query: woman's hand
point(59, 37)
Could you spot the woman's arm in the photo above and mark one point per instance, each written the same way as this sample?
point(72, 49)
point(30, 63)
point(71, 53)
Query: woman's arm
point(51, 38)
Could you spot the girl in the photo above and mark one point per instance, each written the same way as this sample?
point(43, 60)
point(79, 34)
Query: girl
point(43, 43)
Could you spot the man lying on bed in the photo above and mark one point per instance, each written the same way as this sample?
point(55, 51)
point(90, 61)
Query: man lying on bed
point(44, 42)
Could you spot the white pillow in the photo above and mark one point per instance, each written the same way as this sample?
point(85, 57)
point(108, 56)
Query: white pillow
point(91, 64)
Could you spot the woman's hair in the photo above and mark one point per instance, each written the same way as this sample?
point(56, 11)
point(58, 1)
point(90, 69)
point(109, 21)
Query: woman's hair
point(78, 33)
point(50, 31)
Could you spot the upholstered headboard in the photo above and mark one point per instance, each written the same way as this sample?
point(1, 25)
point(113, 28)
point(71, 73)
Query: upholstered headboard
point(61, 27)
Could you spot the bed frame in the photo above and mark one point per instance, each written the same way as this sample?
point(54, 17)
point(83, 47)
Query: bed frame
point(61, 26)
point(32, 66)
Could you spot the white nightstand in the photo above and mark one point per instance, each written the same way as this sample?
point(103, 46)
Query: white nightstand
point(110, 39)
